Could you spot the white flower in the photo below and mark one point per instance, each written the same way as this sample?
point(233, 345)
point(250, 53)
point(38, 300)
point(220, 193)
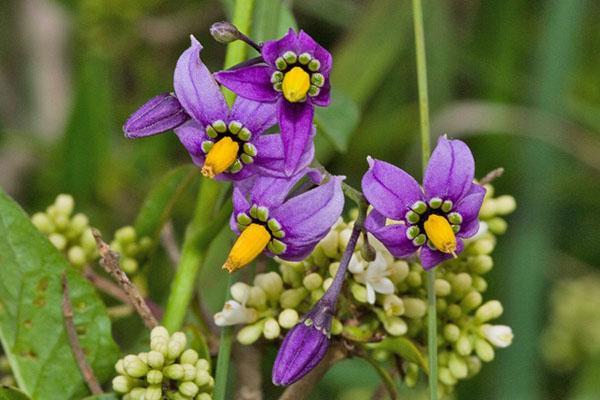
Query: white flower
point(498, 335)
point(234, 313)
point(375, 277)
point(356, 264)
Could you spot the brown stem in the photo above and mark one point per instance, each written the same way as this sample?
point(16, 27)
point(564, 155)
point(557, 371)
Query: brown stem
point(110, 261)
point(169, 242)
point(302, 388)
point(249, 377)
point(496, 173)
point(106, 286)
point(84, 367)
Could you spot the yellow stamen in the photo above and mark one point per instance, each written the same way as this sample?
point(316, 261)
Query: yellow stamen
point(440, 233)
point(247, 247)
point(296, 83)
point(220, 157)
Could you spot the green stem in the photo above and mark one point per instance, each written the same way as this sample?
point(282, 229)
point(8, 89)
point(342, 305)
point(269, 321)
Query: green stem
point(192, 256)
point(385, 376)
point(222, 369)
point(425, 151)
point(238, 51)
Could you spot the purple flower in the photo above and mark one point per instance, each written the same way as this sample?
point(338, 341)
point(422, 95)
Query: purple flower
point(226, 143)
point(305, 345)
point(435, 218)
point(269, 220)
point(295, 78)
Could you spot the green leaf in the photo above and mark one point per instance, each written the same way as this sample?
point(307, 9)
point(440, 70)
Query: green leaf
point(32, 329)
point(272, 19)
point(403, 347)
point(8, 393)
point(339, 120)
point(159, 204)
point(104, 396)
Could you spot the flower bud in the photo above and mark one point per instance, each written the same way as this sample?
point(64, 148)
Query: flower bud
point(312, 281)
point(288, 318)
point(88, 242)
point(61, 222)
point(189, 389)
point(290, 275)
point(505, 204)
point(461, 283)
point(315, 295)
point(327, 283)
point(125, 235)
point(203, 378)
point(302, 349)
point(42, 223)
point(484, 350)
point(481, 264)
point(333, 268)
point(153, 392)
point(497, 226)
point(446, 377)
point(203, 396)
point(489, 310)
point(463, 346)
point(414, 308)
point(119, 367)
point(174, 371)
point(412, 375)
point(154, 377)
point(64, 204)
point(291, 298)
point(395, 326)
point(189, 356)
point(137, 393)
point(129, 265)
point(414, 279)
point(442, 287)
point(159, 332)
point(202, 365)
point(454, 311)
point(122, 384)
point(134, 366)
point(176, 345)
point(58, 241)
point(330, 244)
point(189, 372)
point(479, 284)
point(474, 365)
point(336, 327)
point(78, 223)
point(224, 32)
point(257, 298)
point(159, 114)
point(359, 292)
point(76, 256)
point(457, 366)
point(498, 335)
point(271, 329)
point(481, 246)
point(393, 305)
point(399, 271)
point(250, 333)
point(156, 359)
point(451, 332)
point(271, 283)
point(471, 300)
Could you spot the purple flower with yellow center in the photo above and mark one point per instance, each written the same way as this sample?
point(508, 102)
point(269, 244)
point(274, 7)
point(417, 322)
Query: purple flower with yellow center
point(268, 219)
point(296, 78)
point(434, 218)
point(225, 143)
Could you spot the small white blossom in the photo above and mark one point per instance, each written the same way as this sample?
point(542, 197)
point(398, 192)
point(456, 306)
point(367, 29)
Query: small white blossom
point(498, 335)
point(375, 277)
point(234, 313)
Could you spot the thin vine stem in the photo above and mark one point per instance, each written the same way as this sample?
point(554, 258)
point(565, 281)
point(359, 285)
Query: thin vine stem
point(425, 152)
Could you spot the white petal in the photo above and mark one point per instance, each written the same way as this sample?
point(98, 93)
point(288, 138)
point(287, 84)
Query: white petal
point(370, 294)
point(383, 286)
point(356, 266)
point(498, 335)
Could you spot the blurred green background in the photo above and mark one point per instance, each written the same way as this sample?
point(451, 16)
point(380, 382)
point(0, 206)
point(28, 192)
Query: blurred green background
point(519, 80)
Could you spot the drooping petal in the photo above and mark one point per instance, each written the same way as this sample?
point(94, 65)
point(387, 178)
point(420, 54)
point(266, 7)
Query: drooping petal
point(450, 170)
point(430, 258)
point(270, 158)
point(307, 218)
point(161, 113)
point(252, 82)
point(470, 205)
point(382, 285)
point(191, 135)
point(307, 44)
point(389, 189)
point(272, 49)
point(196, 88)
point(256, 116)
point(393, 236)
point(295, 120)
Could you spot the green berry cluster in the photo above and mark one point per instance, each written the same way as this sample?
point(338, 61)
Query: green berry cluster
point(167, 371)
point(6, 376)
point(133, 249)
point(386, 297)
point(71, 234)
point(572, 337)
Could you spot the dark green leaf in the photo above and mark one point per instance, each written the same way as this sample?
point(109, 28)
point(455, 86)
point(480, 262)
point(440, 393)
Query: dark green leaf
point(339, 120)
point(31, 321)
point(160, 201)
point(404, 348)
point(8, 393)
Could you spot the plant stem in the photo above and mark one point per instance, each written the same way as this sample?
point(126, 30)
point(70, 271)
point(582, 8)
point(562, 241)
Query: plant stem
point(425, 151)
point(224, 358)
point(385, 376)
point(192, 256)
point(238, 50)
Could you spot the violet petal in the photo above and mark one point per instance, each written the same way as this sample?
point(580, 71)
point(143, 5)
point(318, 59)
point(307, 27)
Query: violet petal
point(161, 113)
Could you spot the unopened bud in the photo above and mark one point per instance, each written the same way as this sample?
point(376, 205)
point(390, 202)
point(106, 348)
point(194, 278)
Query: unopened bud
point(76, 256)
point(155, 359)
point(461, 283)
point(330, 244)
point(414, 308)
point(474, 365)
point(64, 204)
point(489, 310)
point(312, 281)
point(176, 345)
point(240, 292)
point(399, 271)
point(463, 346)
point(129, 265)
point(497, 225)
point(203, 378)
point(414, 279)
point(58, 241)
point(457, 366)
point(250, 333)
point(42, 223)
point(189, 356)
point(122, 384)
point(203, 396)
point(484, 350)
point(393, 305)
point(224, 32)
point(359, 292)
point(327, 283)
point(481, 246)
point(119, 367)
point(174, 371)
point(481, 264)
point(134, 366)
point(154, 377)
point(471, 300)
point(505, 204)
point(442, 287)
point(125, 235)
point(202, 365)
point(498, 335)
point(271, 283)
point(288, 318)
point(153, 392)
point(446, 377)
point(291, 298)
point(257, 298)
point(451, 332)
point(454, 311)
point(189, 372)
point(271, 329)
point(480, 284)
point(189, 389)
point(336, 327)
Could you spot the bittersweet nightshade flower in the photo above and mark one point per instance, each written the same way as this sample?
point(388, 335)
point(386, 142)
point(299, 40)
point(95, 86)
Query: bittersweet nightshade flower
point(296, 78)
point(288, 228)
point(225, 143)
point(434, 219)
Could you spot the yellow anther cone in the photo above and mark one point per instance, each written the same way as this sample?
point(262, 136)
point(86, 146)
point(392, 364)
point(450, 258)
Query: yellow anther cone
point(220, 157)
point(440, 233)
point(251, 242)
point(296, 83)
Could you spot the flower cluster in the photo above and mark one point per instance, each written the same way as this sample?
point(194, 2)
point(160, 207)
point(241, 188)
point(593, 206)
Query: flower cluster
point(168, 371)
point(133, 249)
point(573, 335)
point(385, 298)
point(71, 234)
